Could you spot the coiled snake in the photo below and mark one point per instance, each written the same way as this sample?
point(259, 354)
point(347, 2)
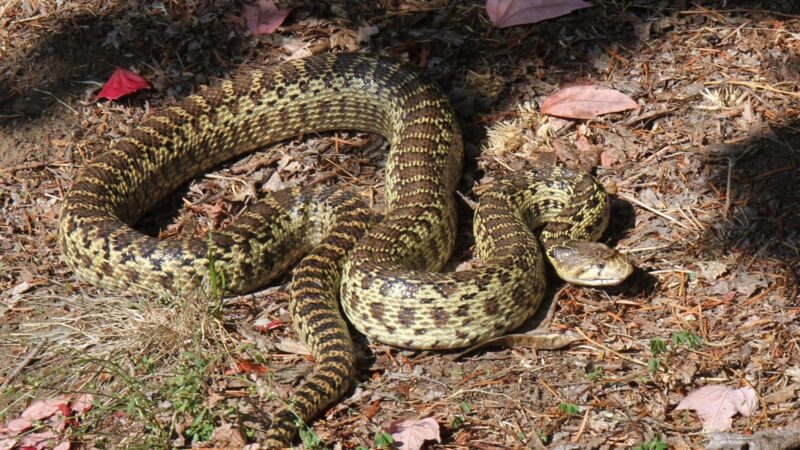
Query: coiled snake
point(389, 288)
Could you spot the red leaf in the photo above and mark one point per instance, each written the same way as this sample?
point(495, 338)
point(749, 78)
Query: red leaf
point(262, 326)
point(65, 410)
point(506, 13)
point(410, 434)
point(37, 441)
point(262, 17)
point(42, 409)
point(245, 366)
point(122, 82)
point(19, 426)
point(586, 102)
point(82, 404)
point(716, 405)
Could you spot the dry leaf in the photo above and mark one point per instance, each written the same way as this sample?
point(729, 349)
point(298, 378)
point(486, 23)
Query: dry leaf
point(586, 102)
point(410, 434)
point(712, 270)
point(38, 441)
point(506, 13)
point(42, 409)
point(82, 403)
point(18, 426)
point(226, 436)
point(245, 366)
point(292, 346)
point(716, 405)
point(261, 17)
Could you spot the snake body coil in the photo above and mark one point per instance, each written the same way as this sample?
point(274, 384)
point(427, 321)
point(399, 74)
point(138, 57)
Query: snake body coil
point(387, 272)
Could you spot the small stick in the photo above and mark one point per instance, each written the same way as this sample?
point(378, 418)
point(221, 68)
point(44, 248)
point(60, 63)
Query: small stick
point(728, 188)
point(24, 363)
point(654, 211)
point(610, 350)
point(58, 100)
point(7, 6)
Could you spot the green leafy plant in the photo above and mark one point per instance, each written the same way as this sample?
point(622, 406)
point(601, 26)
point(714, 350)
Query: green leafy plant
point(596, 375)
point(657, 347)
point(569, 409)
point(186, 391)
point(460, 421)
point(383, 440)
point(662, 351)
point(308, 437)
point(654, 444)
point(686, 338)
point(652, 366)
point(544, 438)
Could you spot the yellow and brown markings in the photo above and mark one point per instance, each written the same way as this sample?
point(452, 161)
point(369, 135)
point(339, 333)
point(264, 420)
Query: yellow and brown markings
point(386, 284)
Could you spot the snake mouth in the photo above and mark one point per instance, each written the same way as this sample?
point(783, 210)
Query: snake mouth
point(601, 282)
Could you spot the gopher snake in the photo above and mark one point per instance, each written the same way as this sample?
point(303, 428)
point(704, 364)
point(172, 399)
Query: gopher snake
point(389, 286)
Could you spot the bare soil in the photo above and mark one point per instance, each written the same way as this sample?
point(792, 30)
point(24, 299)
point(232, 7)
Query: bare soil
point(706, 193)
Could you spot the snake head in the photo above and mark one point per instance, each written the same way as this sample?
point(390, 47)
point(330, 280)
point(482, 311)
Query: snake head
point(589, 263)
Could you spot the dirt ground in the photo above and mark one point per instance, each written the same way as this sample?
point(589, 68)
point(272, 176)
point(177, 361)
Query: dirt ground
point(706, 193)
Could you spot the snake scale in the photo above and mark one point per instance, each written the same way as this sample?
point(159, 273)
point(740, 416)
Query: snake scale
point(383, 275)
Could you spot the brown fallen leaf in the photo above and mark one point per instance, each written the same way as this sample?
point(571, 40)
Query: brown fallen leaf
point(586, 101)
point(226, 436)
point(292, 346)
point(715, 405)
point(410, 434)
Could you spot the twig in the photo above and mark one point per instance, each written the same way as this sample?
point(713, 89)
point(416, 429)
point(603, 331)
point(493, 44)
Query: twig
point(58, 100)
point(654, 211)
point(34, 166)
point(612, 351)
point(583, 426)
point(48, 14)
point(24, 363)
point(752, 85)
point(7, 6)
point(728, 188)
